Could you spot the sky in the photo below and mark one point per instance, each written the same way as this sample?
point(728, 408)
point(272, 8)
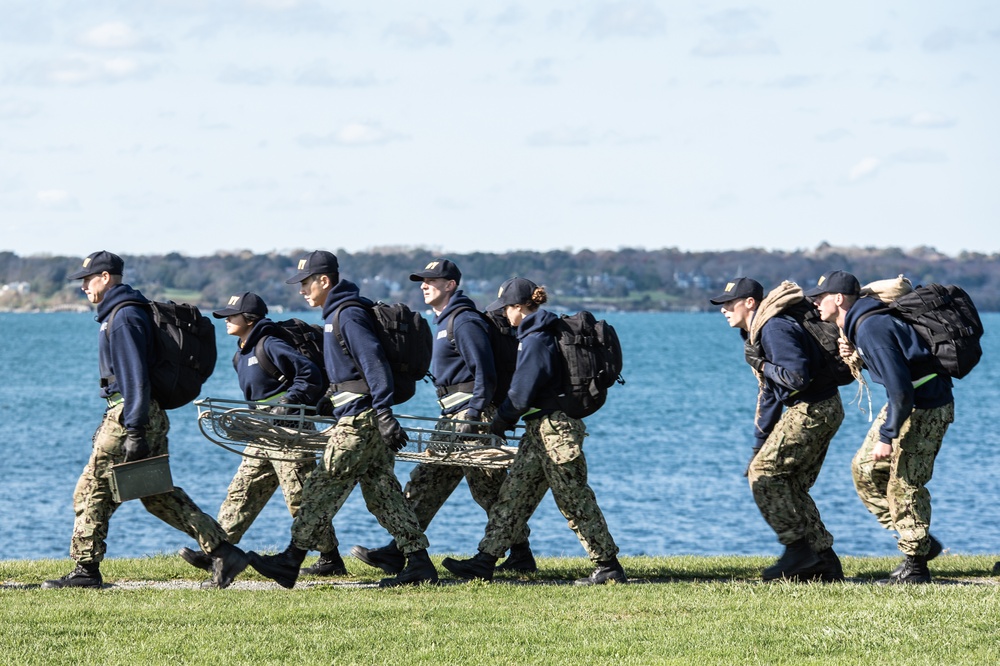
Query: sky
point(273, 125)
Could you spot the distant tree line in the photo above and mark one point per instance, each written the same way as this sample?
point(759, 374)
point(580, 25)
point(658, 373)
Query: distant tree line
point(625, 279)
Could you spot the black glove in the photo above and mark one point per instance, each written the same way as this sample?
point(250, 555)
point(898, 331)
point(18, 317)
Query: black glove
point(754, 355)
point(392, 433)
point(756, 450)
point(282, 409)
point(136, 447)
point(325, 406)
point(500, 426)
point(468, 428)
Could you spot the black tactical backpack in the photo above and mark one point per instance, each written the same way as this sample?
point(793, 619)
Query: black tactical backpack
point(185, 353)
point(946, 319)
point(503, 342)
point(305, 338)
point(592, 362)
point(826, 334)
point(406, 339)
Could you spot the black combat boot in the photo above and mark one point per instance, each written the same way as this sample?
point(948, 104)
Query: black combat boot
point(913, 570)
point(328, 564)
point(419, 569)
point(479, 566)
point(829, 569)
point(798, 558)
point(934, 549)
point(196, 558)
point(84, 575)
point(606, 572)
point(388, 558)
point(520, 560)
point(282, 568)
point(228, 562)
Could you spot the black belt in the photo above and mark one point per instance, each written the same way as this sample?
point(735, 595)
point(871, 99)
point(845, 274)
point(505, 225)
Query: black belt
point(464, 387)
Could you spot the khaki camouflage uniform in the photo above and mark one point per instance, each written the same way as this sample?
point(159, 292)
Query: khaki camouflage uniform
point(430, 484)
point(94, 506)
point(894, 489)
point(259, 475)
point(550, 456)
point(787, 466)
point(356, 454)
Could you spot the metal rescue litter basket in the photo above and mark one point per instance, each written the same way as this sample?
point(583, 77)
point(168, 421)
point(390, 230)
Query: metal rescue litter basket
point(236, 423)
point(142, 478)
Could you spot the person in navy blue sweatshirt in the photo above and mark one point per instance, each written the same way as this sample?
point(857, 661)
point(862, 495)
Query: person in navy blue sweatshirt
point(895, 462)
point(465, 376)
point(361, 450)
point(134, 427)
point(262, 470)
point(550, 454)
point(798, 413)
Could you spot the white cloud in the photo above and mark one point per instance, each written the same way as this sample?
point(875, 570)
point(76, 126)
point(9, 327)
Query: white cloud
point(924, 120)
point(571, 136)
point(724, 48)
point(308, 199)
point(920, 156)
point(797, 81)
point(866, 168)
point(736, 21)
point(879, 43)
point(234, 74)
point(418, 33)
point(17, 109)
point(274, 5)
point(945, 39)
point(113, 35)
point(352, 134)
point(805, 190)
point(537, 72)
point(80, 70)
point(626, 19)
point(321, 73)
point(56, 199)
point(834, 135)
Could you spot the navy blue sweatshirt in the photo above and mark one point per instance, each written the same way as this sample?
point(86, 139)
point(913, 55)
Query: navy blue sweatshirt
point(125, 353)
point(306, 378)
point(357, 327)
point(469, 359)
point(538, 376)
point(792, 360)
point(895, 357)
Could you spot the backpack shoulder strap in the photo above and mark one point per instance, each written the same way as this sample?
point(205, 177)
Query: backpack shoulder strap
point(886, 309)
point(114, 311)
point(336, 323)
point(451, 321)
point(265, 362)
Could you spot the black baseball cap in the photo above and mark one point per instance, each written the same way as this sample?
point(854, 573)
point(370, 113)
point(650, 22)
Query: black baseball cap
point(98, 262)
point(514, 291)
point(835, 282)
point(741, 287)
point(319, 262)
point(439, 268)
point(245, 303)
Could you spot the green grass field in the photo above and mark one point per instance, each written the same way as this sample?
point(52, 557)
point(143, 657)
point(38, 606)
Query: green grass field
point(683, 610)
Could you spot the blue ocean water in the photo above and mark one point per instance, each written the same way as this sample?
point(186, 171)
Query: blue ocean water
point(666, 454)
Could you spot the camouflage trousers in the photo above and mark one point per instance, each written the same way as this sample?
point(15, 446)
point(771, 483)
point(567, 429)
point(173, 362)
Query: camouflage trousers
point(550, 456)
point(787, 466)
point(894, 489)
point(356, 455)
point(94, 506)
point(260, 473)
point(430, 485)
